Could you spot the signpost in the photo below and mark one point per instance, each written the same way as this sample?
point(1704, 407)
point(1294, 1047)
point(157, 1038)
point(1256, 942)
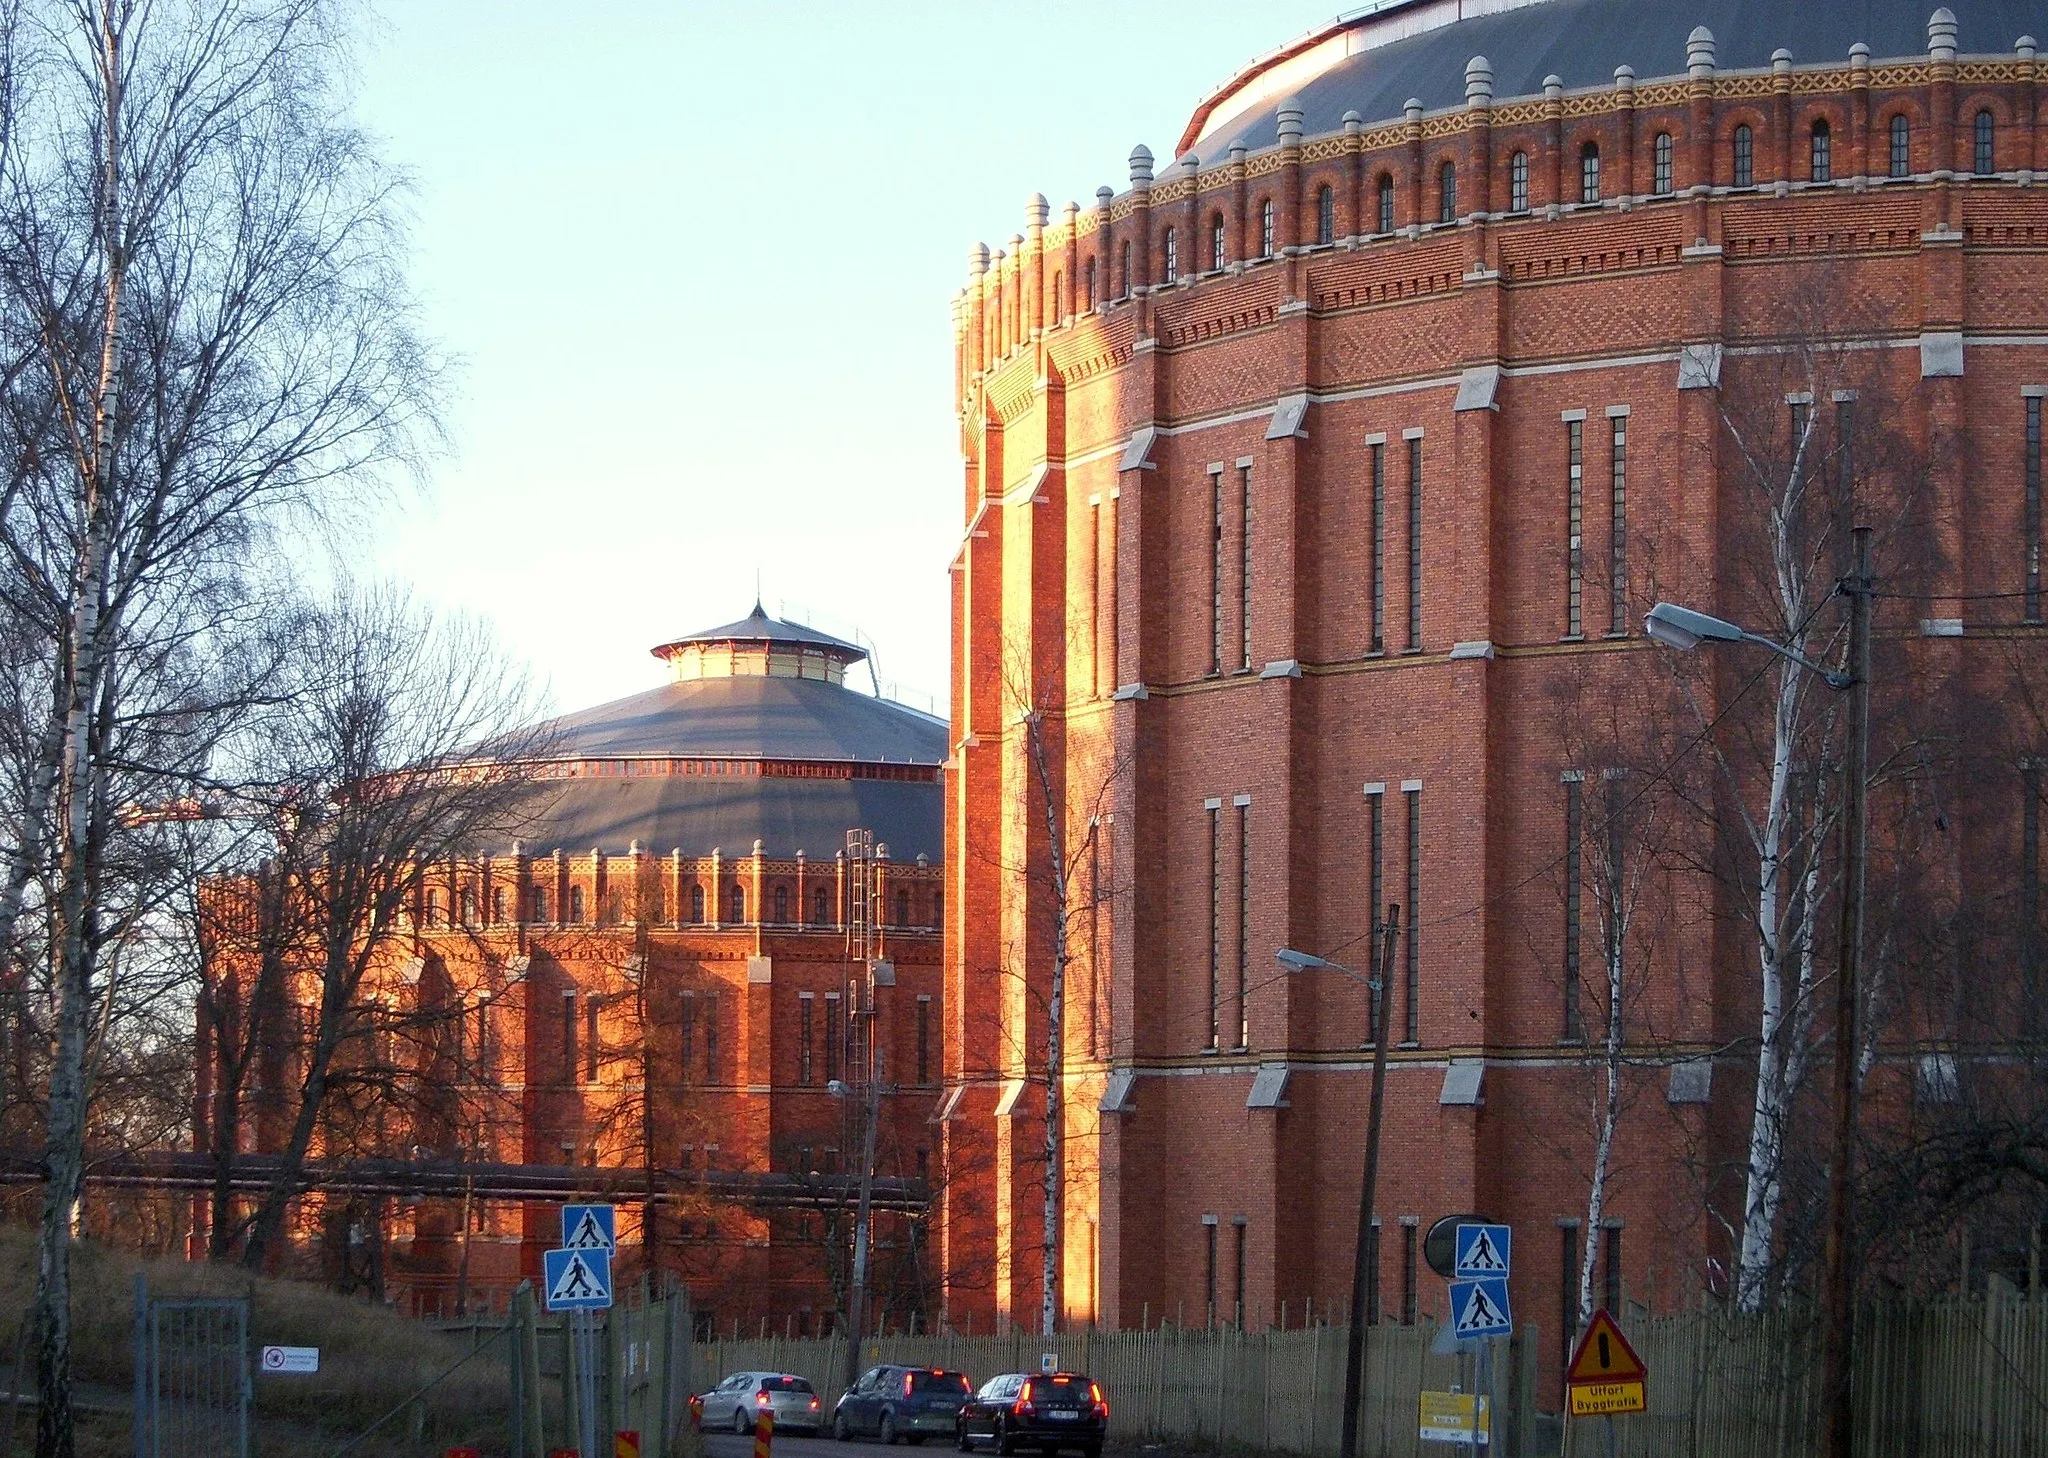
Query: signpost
point(1456, 1417)
point(577, 1278)
point(1477, 1255)
point(1606, 1376)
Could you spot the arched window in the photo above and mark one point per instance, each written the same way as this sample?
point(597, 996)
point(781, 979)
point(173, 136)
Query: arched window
point(1386, 205)
point(820, 908)
point(468, 906)
point(736, 900)
point(697, 905)
point(1902, 146)
point(540, 903)
point(903, 908)
point(1822, 167)
point(1094, 297)
point(1518, 183)
point(1266, 229)
point(575, 906)
point(1745, 157)
point(938, 909)
point(1447, 193)
point(1660, 165)
point(1218, 250)
point(1172, 256)
point(1984, 158)
point(1589, 172)
point(1326, 215)
point(498, 904)
point(1123, 270)
point(782, 905)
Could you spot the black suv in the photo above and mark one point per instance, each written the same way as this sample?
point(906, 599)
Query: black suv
point(1048, 1411)
point(911, 1403)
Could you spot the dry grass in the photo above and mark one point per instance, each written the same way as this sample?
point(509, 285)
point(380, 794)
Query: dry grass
point(371, 1359)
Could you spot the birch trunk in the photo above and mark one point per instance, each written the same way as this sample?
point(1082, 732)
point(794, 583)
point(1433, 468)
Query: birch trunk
point(1055, 1034)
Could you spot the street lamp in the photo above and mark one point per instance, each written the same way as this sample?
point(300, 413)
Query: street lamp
point(1293, 961)
point(1684, 629)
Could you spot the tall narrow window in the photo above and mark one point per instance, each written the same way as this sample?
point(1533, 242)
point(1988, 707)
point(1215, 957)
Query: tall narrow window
point(1518, 183)
point(433, 913)
point(1376, 564)
point(1984, 160)
point(782, 905)
point(1326, 215)
point(1610, 1267)
point(2033, 508)
point(1574, 527)
point(821, 907)
point(1244, 923)
point(938, 910)
point(1095, 596)
point(1745, 157)
point(686, 1036)
point(576, 906)
point(1266, 229)
point(696, 905)
point(1822, 164)
point(1216, 570)
point(468, 906)
point(485, 1044)
point(1568, 1284)
point(711, 1038)
point(568, 1037)
point(540, 903)
point(498, 904)
point(1237, 1271)
point(1589, 172)
point(1219, 253)
point(1209, 1280)
point(924, 1040)
point(1123, 270)
point(1059, 294)
point(902, 908)
point(835, 1036)
point(1094, 288)
point(1386, 205)
point(1617, 540)
point(1411, 930)
point(1172, 247)
point(1901, 147)
point(1215, 924)
point(1409, 1307)
point(805, 1006)
point(1574, 831)
point(1414, 644)
point(1376, 890)
point(736, 898)
point(591, 1049)
point(1447, 193)
point(1244, 573)
point(1660, 165)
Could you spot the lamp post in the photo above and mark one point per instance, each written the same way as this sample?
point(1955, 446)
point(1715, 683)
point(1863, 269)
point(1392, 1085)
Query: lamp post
point(1354, 1359)
point(1684, 629)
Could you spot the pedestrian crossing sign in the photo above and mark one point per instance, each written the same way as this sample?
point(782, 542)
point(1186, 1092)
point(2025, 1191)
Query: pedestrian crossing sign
point(1483, 1250)
point(1480, 1309)
point(577, 1280)
point(589, 1227)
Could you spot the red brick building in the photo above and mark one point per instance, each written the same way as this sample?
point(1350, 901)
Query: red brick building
point(653, 991)
point(1299, 476)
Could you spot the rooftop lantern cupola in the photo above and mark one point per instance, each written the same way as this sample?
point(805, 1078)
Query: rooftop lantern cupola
point(758, 646)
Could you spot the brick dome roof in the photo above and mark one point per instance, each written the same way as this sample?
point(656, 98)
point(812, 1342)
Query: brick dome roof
point(1373, 62)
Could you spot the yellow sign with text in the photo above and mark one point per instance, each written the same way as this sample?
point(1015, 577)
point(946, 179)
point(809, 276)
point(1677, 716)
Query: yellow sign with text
point(1451, 1417)
point(1596, 1399)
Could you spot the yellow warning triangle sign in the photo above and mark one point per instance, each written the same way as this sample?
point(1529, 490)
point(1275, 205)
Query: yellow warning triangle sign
point(1604, 1355)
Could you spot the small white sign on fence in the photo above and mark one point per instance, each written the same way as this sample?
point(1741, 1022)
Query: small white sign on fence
point(291, 1359)
point(1049, 1362)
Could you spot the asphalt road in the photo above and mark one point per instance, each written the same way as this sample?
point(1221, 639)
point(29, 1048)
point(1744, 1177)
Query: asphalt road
point(793, 1445)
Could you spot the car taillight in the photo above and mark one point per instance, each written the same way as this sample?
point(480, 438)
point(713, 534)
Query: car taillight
point(906, 1384)
point(1024, 1407)
point(814, 1402)
point(762, 1399)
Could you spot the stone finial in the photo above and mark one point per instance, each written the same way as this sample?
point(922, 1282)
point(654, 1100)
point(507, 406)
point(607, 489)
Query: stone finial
point(1071, 211)
point(1479, 82)
point(518, 848)
point(1290, 117)
point(1016, 245)
point(1941, 35)
point(1037, 211)
point(1104, 195)
point(633, 847)
point(1625, 80)
point(1141, 166)
point(2024, 47)
point(1190, 164)
point(1699, 52)
point(1353, 124)
point(977, 260)
point(1859, 57)
point(1237, 151)
point(995, 260)
point(1781, 62)
point(757, 847)
point(1412, 108)
point(1553, 89)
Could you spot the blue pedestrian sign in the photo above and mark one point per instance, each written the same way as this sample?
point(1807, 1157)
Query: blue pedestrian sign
point(1483, 1251)
point(577, 1280)
point(589, 1227)
point(1480, 1309)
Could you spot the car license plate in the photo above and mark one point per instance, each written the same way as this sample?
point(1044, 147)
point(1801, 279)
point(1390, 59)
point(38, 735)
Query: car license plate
point(1061, 1417)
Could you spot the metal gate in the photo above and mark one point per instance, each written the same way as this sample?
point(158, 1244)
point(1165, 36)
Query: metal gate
point(191, 1376)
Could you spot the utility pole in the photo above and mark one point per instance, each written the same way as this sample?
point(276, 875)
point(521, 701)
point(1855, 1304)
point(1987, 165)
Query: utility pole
point(1361, 1264)
point(1838, 1296)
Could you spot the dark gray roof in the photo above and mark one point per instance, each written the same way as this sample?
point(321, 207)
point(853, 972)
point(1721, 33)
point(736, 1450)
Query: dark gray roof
point(758, 627)
point(751, 718)
point(701, 813)
point(1582, 41)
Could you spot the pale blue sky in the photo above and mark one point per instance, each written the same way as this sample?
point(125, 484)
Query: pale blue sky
point(696, 258)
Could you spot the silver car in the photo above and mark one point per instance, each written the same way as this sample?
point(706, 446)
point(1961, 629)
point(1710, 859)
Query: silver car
point(733, 1403)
